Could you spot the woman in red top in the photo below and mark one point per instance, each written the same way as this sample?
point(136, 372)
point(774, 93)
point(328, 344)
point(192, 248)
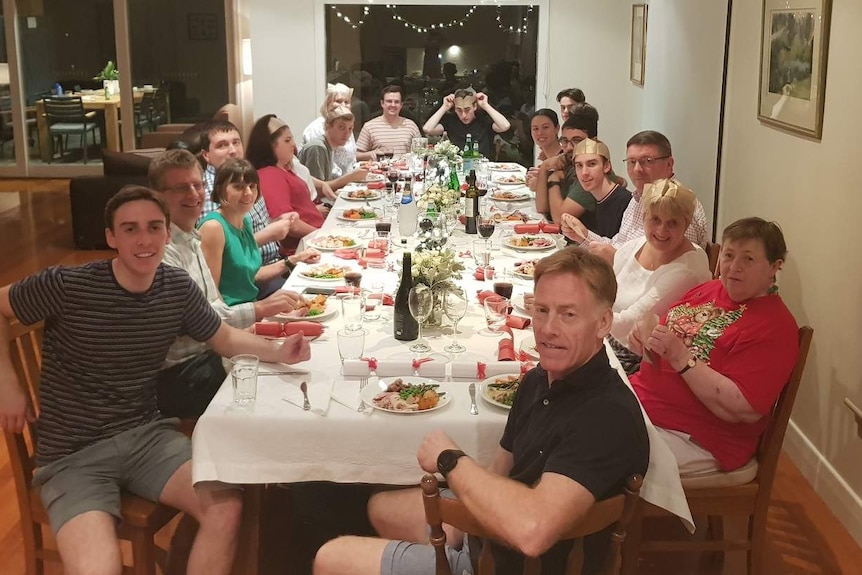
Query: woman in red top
point(285, 183)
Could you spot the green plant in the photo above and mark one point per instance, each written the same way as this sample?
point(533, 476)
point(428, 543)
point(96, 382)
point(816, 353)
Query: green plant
point(109, 72)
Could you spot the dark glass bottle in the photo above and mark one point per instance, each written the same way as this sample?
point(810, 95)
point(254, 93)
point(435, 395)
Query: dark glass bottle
point(471, 204)
point(406, 326)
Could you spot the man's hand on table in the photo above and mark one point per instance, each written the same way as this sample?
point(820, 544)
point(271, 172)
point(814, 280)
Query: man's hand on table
point(358, 175)
point(434, 443)
point(326, 192)
point(295, 349)
point(13, 406)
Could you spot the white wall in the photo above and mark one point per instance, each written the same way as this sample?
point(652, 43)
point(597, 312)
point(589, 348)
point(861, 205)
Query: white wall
point(588, 48)
point(810, 189)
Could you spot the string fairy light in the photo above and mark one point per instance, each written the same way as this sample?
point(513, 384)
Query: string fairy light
point(346, 18)
point(522, 29)
point(436, 26)
point(423, 28)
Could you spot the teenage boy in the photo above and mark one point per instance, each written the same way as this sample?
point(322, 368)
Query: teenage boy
point(467, 119)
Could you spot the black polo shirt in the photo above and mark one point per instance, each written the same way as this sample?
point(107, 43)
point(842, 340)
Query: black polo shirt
point(480, 129)
point(587, 426)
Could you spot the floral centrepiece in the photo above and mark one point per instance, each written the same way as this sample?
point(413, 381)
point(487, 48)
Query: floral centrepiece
point(436, 268)
point(448, 150)
point(440, 197)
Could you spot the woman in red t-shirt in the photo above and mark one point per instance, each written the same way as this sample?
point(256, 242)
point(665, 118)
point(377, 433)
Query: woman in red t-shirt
point(285, 183)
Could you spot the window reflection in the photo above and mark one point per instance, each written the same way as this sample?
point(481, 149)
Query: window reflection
point(431, 51)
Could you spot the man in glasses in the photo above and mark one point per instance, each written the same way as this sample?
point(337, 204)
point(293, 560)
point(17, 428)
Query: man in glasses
point(192, 373)
point(648, 158)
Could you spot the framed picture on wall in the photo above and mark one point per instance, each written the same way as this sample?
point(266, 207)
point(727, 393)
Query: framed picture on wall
point(638, 48)
point(794, 46)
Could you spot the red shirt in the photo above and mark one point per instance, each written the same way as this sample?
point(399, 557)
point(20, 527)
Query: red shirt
point(283, 191)
point(755, 344)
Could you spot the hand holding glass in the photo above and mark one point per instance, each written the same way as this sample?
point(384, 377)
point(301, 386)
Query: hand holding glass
point(421, 301)
point(455, 306)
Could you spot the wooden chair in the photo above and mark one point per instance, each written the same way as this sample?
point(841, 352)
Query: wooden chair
point(141, 518)
point(744, 492)
point(712, 252)
point(616, 511)
point(66, 116)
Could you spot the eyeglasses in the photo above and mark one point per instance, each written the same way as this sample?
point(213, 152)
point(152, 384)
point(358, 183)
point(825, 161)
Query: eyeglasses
point(644, 162)
point(573, 141)
point(182, 188)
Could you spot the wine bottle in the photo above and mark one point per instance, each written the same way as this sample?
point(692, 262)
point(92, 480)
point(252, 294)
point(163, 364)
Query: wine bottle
point(467, 154)
point(405, 325)
point(471, 204)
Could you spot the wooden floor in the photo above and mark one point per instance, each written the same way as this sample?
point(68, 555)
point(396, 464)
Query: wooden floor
point(804, 538)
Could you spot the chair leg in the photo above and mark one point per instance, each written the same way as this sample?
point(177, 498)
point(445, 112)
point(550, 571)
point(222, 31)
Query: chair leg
point(143, 553)
point(84, 140)
point(631, 546)
point(736, 527)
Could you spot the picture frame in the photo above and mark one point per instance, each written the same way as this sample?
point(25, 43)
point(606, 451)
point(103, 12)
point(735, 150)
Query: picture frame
point(794, 47)
point(637, 65)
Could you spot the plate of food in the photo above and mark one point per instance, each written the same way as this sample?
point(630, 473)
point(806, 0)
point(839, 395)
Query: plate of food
point(510, 180)
point(515, 217)
point(530, 242)
point(373, 177)
point(354, 215)
point(323, 273)
point(361, 195)
point(528, 347)
point(317, 308)
point(520, 306)
point(331, 242)
point(524, 270)
point(511, 196)
point(406, 395)
point(501, 390)
point(505, 167)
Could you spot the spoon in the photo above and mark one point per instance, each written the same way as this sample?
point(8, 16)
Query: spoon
point(306, 405)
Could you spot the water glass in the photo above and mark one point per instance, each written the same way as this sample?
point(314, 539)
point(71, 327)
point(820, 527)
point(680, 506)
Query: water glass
point(373, 302)
point(243, 374)
point(419, 145)
point(496, 312)
point(351, 344)
point(482, 252)
point(351, 310)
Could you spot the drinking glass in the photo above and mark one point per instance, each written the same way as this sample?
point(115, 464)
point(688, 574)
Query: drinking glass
point(244, 378)
point(483, 173)
point(496, 311)
point(455, 306)
point(486, 226)
point(351, 309)
point(482, 253)
point(420, 300)
point(373, 302)
point(351, 343)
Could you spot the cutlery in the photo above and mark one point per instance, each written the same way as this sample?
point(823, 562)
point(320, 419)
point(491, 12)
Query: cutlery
point(306, 405)
point(474, 409)
point(362, 383)
point(285, 372)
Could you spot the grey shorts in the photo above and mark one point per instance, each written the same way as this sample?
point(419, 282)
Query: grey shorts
point(140, 460)
point(405, 558)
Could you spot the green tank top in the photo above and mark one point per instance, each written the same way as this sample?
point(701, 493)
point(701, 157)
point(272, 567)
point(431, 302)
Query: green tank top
point(239, 261)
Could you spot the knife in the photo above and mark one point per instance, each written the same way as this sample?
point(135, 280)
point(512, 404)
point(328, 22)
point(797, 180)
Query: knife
point(474, 409)
point(306, 405)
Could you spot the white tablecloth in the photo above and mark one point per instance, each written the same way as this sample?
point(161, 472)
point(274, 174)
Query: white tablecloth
point(275, 441)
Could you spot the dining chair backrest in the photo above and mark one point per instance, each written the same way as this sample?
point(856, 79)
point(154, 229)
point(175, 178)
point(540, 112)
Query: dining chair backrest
point(64, 109)
point(713, 250)
point(617, 511)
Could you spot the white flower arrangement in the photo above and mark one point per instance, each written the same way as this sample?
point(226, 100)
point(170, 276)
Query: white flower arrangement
point(441, 197)
point(448, 150)
point(436, 268)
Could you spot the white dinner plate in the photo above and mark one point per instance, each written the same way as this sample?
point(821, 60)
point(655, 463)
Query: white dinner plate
point(519, 274)
point(317, 240)
point(340, 216)
point(372, 195)
point(511, 180)
point(368, 393)
point(302, 273)
point(528, 346)
point(510, 196)
point(484, 390)
point(329, 311)
point(551, 242)
point(505, 167)
point(372, 177)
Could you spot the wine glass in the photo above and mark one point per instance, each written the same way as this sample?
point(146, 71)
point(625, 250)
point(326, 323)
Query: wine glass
point(455, 306)
point(420, 300)
point(486, 226)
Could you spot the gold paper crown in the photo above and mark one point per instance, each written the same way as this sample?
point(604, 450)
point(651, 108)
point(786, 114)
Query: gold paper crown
point(590, 146)
point(275, 124)
point(664, 190)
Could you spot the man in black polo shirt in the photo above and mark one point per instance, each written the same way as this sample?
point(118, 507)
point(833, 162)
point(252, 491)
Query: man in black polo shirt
point(481, 125)
point(575, 433)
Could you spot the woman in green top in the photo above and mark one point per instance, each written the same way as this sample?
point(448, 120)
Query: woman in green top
point(227, 239)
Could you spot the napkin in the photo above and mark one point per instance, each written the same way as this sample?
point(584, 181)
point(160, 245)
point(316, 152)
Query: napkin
point(517, 322)
point(346, 253)
point(276, 329)
point(347, 394)
point(482, 274)
point(483, 295)
point(346, 289)
point(374, 254)
point(318, 396)
point(470, 369)
point(376, 185)
point(506, 350)
point(435, 369)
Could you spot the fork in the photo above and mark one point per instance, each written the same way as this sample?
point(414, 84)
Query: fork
point(363, 381)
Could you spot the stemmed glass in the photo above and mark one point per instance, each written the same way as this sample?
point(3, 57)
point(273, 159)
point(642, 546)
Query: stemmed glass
point(455, 306)
point(420, 300)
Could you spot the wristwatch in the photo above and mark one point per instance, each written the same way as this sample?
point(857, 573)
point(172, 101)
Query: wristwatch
point(692, 361)
point(448, 459)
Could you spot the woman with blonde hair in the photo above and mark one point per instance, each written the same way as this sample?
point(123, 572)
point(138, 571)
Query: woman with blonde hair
point(655, 270)
point(344, 156)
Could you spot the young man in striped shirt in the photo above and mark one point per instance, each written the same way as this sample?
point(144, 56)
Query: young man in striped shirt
point(390, 132)
point(108, 327)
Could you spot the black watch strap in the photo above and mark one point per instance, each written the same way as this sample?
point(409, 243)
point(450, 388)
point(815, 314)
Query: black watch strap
point(448, 459)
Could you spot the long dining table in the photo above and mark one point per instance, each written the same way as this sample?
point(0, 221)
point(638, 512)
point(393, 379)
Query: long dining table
point(276, 441)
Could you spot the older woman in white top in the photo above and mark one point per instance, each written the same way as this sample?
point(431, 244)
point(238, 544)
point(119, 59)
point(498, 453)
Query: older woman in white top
point(343, 157)
point(656, 270)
